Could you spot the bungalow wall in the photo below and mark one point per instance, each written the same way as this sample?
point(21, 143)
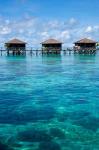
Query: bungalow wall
point(52, 47)
point(85, 45)
point(15, 47)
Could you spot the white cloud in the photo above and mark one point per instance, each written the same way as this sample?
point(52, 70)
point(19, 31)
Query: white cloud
point(72, 21)
point(5, 31)
point(92, 29)
point(44, 34)
point(89, 29)
point(65, 35)
point(34, 30)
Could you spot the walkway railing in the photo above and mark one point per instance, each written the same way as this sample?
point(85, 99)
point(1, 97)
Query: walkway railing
point(32, 51)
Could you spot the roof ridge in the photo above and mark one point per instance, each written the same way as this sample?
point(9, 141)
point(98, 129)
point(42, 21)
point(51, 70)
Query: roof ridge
point(15, 40)
point(51, 40)
point(86, 40)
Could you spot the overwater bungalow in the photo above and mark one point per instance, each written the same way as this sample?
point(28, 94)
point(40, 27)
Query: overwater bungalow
point(85, 46)
point(16, 47)
point(52, 46)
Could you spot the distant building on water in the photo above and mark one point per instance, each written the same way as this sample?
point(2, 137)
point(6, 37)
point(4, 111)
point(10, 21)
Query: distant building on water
point(52, 46)
point(85, 44)
point(16, 47)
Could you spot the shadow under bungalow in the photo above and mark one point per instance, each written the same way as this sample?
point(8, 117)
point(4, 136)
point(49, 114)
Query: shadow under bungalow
point(85, 46)
point(16, 47)
point(52, 46)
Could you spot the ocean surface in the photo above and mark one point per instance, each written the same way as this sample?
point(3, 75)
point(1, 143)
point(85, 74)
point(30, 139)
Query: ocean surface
point(49, 102)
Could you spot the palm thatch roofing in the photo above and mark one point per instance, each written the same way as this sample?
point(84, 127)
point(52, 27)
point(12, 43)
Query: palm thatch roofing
point(85, 41)
point(51, 41)
point(15, 41)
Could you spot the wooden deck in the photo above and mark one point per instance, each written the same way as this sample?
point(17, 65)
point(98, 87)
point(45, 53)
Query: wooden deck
point(37, 52)
point(85, 51)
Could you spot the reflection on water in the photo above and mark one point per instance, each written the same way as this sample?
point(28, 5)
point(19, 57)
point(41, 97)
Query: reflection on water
point(51, 59)
point(49, 103)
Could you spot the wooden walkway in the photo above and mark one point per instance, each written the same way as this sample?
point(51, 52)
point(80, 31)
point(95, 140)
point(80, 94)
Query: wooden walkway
point(37, 52)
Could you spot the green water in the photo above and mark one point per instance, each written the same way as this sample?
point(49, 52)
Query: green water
point(49, 102)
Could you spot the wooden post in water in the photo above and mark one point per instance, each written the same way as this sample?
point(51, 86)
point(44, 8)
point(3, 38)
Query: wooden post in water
point(36, 52)
point(65, 52)
point(1, 52)
point(8, 52)
point(31, 52)
point(69, 51)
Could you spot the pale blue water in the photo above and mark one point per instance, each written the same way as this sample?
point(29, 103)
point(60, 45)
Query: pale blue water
point(49, 103)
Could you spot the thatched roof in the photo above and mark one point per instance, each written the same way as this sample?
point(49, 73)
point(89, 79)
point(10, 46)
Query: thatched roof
point(51, 41)
point(15, 41)
point(85, 40)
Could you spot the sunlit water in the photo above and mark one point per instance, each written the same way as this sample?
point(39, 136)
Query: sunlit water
point(49, 103)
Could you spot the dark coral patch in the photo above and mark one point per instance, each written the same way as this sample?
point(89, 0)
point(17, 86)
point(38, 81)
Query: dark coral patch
point(4, 147)
point(56, 132)
point(73, 116)
point(24, 116)
point(49, 146)
point(79, 102)
point(36, 114)
point(77, 115)
point(90, 123)
point(34, 136)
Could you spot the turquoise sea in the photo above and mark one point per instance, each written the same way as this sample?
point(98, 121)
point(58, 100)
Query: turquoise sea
point(49, 102)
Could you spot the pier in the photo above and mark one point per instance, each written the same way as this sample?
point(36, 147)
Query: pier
point(37, 52)
point(17, 47)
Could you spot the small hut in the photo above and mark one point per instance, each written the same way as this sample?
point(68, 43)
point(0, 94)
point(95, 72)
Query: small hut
point(52, 46)
point(16, 47)
point(85, 43)
point(85, 46)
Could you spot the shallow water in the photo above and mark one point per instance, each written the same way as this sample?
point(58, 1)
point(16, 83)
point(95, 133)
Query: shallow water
point(49, 103)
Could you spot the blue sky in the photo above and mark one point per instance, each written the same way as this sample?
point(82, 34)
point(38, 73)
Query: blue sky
point(60, 9)
point(36, 20)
